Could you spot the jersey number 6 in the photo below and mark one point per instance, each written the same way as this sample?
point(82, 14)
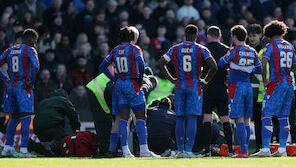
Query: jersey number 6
point(187, 63)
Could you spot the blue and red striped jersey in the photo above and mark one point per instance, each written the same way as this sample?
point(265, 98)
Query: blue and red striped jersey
point(123, 57)
point(187, 58)
point(281, 55)
point(242, 60)
point(23, 65)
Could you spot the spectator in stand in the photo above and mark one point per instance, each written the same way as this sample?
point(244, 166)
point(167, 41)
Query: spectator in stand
point(111, 11)
point(80, 75)
point(148, 22)
point(98, 29)
point(180, 34)
point(28, 19)
point(49, 13)
point(278, 14)
point(85, 19)
point(49, 61)
point(226, 12)
point(188, 11)
point(43, 86)
point(44, 42)
point(11, 31)
point(263, 8)
point(123, 16)
point(85, 51)
point(100, 52)
point(291, 34)
point(137, 14)
point(61, 78)
point(201, 37)
point(267, 19)
point(81, 39)
point(36, 7)
point(171, 24)
point(3, 40)
point(156, 42)
point(207, 16)
point(100, 17)
point(123, 5)
point(159, 13)
point(57, 25)
point(79, 98)
point(243, 22)
point(291, 12)
point(250, 17)
point(112, 19)
point(63, 51)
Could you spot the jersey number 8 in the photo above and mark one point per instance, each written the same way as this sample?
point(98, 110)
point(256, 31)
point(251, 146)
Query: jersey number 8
point(286, 59)
point(187, 64)
point(122, 64)
point(15, 64)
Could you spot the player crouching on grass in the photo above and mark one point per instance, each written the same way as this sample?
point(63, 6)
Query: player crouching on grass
point(280, 55)
point(243, 61)
point(23, 65)
point(128, 62)
point(188, 58)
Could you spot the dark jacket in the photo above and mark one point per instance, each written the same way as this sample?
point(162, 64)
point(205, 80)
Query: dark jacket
point(51, 112)
point(42, 90)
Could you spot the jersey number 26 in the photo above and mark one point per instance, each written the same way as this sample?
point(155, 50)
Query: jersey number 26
point(286, 59)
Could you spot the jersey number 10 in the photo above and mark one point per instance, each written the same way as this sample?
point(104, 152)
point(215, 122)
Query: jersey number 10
point(286, 59)
point(15, 64)
point(122, 64)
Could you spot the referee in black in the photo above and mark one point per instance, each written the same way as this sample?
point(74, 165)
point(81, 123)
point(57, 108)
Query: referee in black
point(215, 92)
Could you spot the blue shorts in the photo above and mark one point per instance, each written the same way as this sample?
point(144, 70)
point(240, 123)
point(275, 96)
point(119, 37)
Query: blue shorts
point(240, 100)
point(278, 99)
point(188, 101)
point(17, 100)
point(130, 95)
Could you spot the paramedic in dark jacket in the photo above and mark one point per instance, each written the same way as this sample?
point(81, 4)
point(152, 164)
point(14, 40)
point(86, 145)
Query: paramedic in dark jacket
point(161, 120)
point(50, 118)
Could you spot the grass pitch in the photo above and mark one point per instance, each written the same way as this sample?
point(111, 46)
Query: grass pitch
point(148, 162)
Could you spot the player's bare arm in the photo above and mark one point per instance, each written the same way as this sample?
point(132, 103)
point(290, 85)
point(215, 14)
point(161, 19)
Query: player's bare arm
point(164, 70)
point(264, 63)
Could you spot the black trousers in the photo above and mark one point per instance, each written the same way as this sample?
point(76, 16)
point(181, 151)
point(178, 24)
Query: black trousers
point(54, 136)
point(257, 112)
point(102, 121)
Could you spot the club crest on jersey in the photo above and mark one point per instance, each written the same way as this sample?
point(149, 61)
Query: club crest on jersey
point(121, 52)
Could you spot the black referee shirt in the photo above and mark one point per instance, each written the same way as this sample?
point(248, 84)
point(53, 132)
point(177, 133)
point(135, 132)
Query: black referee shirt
point(217, 50)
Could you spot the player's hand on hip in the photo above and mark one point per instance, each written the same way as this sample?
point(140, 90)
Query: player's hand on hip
point(203, 82)
point(7, 82)
point(266, 83)
point(29, 85)
point(173, 80)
